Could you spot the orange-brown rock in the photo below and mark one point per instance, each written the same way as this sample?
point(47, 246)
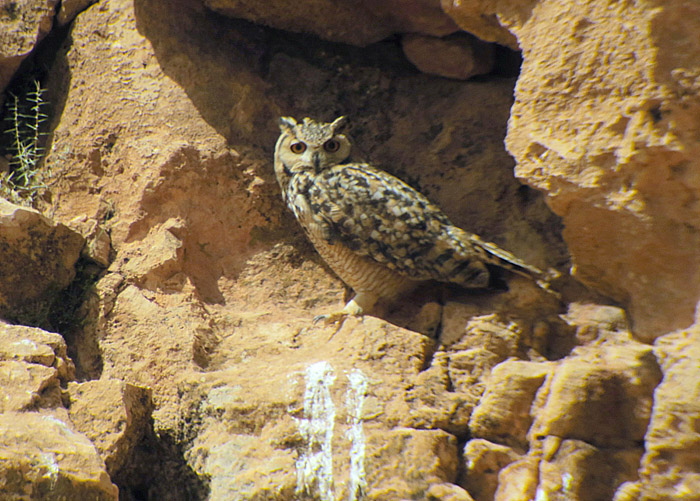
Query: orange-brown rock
point(669, 467)
point(98, 244)
point(114, 415)
point(488, 20)
point(459, 56)
point(518, 480)
point(256, 432)
point(37, 258)
point(359, 23)
point(579, 470)
point(24, 383)
point(45, 458)
point(504, 411)
point(604, 119)
point(33, 367)
point(211, 287)
point(580, 419)
point(447, 492)
point(605, 122)
point(70, 8)
point(22, 25)
point(593, 322)
point(483, 461)
point(603, 396)
point(412, 460)
point(35, 346)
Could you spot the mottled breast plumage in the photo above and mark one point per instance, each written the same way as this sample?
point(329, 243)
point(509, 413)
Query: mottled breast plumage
point(376, 214)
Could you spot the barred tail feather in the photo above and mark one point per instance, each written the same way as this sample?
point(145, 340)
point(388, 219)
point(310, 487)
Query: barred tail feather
point(504, 259)
point(477, 255)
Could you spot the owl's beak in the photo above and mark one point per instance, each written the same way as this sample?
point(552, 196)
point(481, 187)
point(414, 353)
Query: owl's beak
point(316, 160)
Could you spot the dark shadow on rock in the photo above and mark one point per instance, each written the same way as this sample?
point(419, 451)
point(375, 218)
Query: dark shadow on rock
point(158, 470)
point(74, 314)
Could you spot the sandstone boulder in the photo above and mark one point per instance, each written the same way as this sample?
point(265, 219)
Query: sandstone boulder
point(518, 480)
point(490, 21)
point(581, 471)
point(412, 461)
point(98, 244)
point(37, 257)
point(114, 415)
point(580, 419)
point(359, 23)
point(504, 412)
point(459, 56)
point(605, 122)
point(33, 368)
point(45, 458)
point(483, 461)
point(604, 396)
point(669, 467)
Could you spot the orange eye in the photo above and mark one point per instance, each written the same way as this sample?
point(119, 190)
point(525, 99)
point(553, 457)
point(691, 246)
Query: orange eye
point(331, 146)
point(298, 148)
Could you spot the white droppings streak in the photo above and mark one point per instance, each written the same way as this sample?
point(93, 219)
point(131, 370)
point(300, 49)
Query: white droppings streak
point(63, 428)
point(566, 481)
point(48, 460)
point(541, 495)
point(354, 400)
point(25, 343)
point(315, 463)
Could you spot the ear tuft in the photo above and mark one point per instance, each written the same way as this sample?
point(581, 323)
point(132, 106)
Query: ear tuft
point(287, 123)
point(339, 124)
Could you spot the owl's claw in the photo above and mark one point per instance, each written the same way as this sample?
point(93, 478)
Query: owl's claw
point(319, 318)
point(337, 318)
point(351, 309)
point(331, 318)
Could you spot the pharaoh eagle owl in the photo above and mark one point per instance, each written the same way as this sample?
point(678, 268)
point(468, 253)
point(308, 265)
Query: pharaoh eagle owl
point(379, 235)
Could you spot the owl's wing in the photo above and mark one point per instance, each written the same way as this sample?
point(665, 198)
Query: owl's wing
point(377, 215)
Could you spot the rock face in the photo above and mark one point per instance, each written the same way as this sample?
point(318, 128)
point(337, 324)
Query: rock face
point(37, 258)
point(605, 121)
point(579, 420)
point(201, 375)
point(22, 26)
point(113, 414)
point(359, 23)
point(672, 439)
point(44, 457)
point(459, 56)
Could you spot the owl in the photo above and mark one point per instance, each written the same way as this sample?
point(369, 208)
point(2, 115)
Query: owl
point(379, 235)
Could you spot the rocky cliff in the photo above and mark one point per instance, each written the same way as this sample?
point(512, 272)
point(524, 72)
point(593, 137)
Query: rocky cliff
point(187, 365)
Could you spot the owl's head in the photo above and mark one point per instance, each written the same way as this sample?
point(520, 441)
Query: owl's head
point(309, 145)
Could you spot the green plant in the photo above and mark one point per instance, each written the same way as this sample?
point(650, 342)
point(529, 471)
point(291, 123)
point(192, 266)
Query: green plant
point(24, 112)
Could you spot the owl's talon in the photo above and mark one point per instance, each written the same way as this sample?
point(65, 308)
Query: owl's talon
point(318, 318)
point(337, 318)
point(331, 318)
